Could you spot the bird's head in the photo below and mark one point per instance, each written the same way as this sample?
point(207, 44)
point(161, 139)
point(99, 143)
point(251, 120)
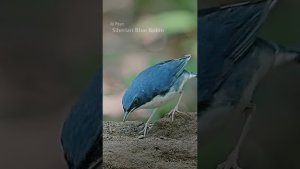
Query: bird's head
point(130, 103)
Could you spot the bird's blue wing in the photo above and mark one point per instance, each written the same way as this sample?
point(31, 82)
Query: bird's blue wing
point(82, 131)
point(224, 35)
point(153, 81)
point(168, 71)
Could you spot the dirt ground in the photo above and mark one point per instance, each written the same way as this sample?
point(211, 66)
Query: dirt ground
point(168, 145)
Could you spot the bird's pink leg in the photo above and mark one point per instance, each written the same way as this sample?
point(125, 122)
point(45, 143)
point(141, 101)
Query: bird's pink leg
point(172, 112)
point(147, 124)
point(232, 159)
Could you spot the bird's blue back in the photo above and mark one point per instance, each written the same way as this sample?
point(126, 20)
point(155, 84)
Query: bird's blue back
point(224, 36)
point(82, 131)
point(153, 81)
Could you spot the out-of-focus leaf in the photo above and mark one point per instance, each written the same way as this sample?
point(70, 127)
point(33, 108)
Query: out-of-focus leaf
point(175, 21)
point(188, 5)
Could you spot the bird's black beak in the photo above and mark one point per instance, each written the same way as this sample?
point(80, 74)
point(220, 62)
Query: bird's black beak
point(125, 116)
point(126, 113)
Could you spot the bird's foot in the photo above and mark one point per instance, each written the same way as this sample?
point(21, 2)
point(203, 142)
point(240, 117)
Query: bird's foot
point(172, 113)
point(230, 163)
point(147, 127)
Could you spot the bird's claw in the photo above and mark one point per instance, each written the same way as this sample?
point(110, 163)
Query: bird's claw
point(144, 131)
point(230, 163)
point(141, 137)
point(172, 113)
point(227, 165)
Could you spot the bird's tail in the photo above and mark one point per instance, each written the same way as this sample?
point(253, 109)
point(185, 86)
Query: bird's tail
point(193, 75)
point(286, 55)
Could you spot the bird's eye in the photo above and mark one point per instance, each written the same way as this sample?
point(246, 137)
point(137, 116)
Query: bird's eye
point(136, 100)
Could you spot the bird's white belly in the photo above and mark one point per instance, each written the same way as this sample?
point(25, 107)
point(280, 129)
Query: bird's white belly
point(159, 100)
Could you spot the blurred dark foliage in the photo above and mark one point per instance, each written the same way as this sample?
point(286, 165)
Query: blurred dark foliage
point(82, 131)
point(273, 140)
point(49, 51)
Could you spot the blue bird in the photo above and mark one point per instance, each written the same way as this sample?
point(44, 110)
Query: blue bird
point(155, 86)
point(82, 131)
point(232, 61)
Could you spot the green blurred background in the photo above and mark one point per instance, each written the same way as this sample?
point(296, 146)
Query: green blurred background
point(273, 140)
point(126, 54)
